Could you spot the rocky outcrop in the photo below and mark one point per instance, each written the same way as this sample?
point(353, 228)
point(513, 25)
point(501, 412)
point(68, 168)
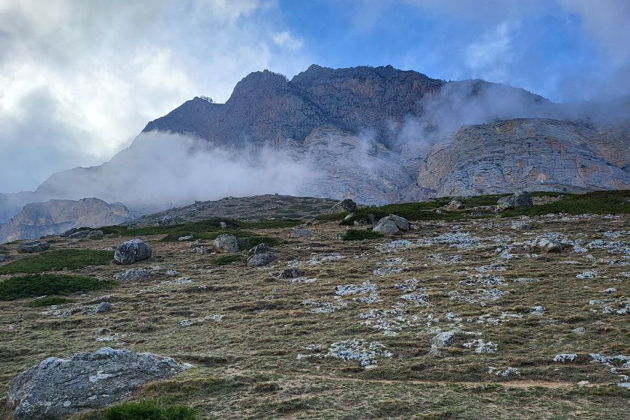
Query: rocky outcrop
point(57, 216)
point(57, 388)
point(523, 154)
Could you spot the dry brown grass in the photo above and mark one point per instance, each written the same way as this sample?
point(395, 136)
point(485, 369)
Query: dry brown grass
point(247, 363)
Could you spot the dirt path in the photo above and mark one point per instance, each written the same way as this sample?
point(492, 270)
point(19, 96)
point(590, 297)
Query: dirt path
point(509, 384)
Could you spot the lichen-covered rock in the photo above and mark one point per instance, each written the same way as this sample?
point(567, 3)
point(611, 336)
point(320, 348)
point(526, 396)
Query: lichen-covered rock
point(344, 205)
point(131, 251)
point(387, 227)
point(442, 340)
point(259, 249)
point(57, 388)
point(455, 204)
point(291, 273)
point(519, 200)
point(33, 247)
point(301, 233)
point(261, 259)
point(132, 275)
point(226, 243)
point(549, 245)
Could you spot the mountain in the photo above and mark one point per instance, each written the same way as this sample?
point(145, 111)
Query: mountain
point(57, 216)
point(375, 134)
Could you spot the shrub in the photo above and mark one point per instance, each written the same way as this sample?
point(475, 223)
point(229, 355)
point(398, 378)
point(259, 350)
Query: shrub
point(48, 301)
point(359, 235)
point(148, 410)
point(48, 284)
point(70, 259)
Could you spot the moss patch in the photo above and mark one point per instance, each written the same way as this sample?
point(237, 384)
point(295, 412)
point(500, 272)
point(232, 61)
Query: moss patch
point(70, 259)
point(48, 284)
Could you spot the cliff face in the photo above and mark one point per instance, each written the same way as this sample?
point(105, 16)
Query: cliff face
point(57, 216)
point(524, 154)
point(377, 135)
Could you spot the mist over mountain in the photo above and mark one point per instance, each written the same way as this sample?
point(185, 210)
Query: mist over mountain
point(374, 134)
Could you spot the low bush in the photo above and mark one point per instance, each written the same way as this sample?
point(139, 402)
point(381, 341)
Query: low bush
point(56, 260)
point(148, 410)
point(49, 284)
point(359, 235)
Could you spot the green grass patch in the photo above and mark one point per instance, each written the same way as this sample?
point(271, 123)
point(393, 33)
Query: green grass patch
point(226, 259)
point(148, 410)
point(48, 301)
point(56, 260)
point(359, 235)
point(598, 202)
point(48, 284)
point(246, 239)
point(410, 211)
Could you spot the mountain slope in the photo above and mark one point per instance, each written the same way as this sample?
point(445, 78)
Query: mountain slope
point(376, 135)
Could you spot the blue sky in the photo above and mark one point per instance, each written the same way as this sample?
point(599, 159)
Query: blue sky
point(80, 79)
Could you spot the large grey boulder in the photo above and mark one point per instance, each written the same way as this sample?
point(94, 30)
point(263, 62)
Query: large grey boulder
point(346, 204)
point(33, 247)
point(386, 226)
point(131, 251)
point(226, 243)
point(57, 388)
point(392, 224)
point(519, 200)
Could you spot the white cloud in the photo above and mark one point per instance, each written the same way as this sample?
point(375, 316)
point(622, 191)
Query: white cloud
point(489, 58)
point(102, 69)
point(286, 40)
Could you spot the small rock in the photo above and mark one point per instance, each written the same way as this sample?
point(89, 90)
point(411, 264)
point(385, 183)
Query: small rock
point(291, 273)
point(103, 307)
point(455, 204)
point(344, 205)
point(549, 245)
point(171, 272)
point(579, 330)
point(185, 238)
point(132, 275)
point(227, 243)
point(259, 260)
point(131, 251)
point(442, 340)
point(565, 357)
point(33, 246)
point(259, 249)
point(301, 233)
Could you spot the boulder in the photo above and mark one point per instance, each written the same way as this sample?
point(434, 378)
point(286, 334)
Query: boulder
point(259, 260)
point(131, 251)
point(391, 224)
point(259, 249)
point(33, 246)
point(386, 226)
point(519, 200)
point(442, 340)
point(346, 205)
point(57, 388)
point(226, 243)
point(455, 204)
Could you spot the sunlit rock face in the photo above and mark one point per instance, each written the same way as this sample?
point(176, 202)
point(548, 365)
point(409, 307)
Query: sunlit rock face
point(524, 154)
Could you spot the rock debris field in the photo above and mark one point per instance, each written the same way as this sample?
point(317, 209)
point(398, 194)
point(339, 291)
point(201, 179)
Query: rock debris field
point(481, 318)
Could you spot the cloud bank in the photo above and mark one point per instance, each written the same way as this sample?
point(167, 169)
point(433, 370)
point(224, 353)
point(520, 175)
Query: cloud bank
point(79, 79)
